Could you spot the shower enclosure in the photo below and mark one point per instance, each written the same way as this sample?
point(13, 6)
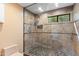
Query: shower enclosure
point(49, 39)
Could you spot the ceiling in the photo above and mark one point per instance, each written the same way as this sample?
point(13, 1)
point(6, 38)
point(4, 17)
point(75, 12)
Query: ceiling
point(38, 8)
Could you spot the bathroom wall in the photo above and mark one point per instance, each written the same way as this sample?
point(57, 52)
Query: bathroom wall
point(29, 17)
point(11, 31)
point(66, 28)
point(55, 27)
point(28, 27)
point(76, 26)
point(29, 21)
point(76, 15)
point(43, 19)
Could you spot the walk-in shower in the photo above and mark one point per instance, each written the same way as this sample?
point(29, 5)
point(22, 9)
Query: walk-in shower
point(44, 38)
point(51, 40)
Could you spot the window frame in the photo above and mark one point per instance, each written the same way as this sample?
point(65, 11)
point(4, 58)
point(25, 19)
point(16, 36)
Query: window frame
point(60, 15)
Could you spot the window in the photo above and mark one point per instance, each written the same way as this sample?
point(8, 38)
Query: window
point(63, 18)
point(52, 19)
point(59, 18)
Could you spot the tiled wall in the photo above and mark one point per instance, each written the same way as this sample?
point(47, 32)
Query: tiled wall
point(76, 38)
point(29, 17)
point(76, 17)
point(59, 27)
point(56, 36)
point(43, 18)
point(53, 36)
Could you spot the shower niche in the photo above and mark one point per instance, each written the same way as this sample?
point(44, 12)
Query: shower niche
point(39, 26)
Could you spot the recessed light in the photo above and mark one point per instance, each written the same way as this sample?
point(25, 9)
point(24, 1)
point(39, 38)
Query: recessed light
point(40, 9)
point(56, 4)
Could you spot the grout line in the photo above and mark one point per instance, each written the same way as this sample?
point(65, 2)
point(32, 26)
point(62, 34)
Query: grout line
point(51, 33)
